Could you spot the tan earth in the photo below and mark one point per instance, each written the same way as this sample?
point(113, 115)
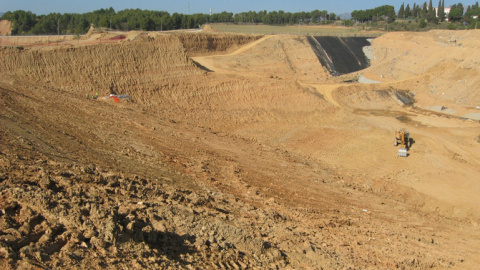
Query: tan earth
point(238, 152)
point(5, 28)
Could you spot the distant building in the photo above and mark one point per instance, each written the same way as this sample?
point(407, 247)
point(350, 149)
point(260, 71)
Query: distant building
point(447, 11)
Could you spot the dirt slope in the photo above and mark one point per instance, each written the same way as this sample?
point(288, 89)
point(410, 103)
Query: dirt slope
point(5, 28)
point(250, 157)
point(440, 66)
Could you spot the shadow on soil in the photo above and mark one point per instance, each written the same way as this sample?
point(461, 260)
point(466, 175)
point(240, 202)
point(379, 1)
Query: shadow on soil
point(198, 65)
point(167, 243)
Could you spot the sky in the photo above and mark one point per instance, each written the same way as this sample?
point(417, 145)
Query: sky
point(338, 7)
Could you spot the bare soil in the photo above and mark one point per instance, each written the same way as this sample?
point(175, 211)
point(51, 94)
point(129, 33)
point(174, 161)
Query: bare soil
point(5, 28)
point(238, 152)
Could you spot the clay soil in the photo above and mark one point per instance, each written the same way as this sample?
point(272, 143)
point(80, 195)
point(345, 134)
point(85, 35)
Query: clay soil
point(238, 152)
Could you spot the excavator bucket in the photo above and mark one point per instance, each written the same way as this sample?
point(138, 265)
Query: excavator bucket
point(402, 152)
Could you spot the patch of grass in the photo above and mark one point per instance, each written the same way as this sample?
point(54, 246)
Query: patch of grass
point(312, 30)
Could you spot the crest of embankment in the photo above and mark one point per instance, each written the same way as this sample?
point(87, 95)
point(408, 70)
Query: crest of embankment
point(140, 68)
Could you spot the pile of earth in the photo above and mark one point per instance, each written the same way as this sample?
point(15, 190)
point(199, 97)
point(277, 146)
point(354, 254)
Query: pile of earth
point(5, 28)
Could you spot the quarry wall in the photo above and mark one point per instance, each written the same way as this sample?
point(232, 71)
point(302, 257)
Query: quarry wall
point(150, 69)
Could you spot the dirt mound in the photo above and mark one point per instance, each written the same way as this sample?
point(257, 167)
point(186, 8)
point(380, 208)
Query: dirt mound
point(92, 30)
point(208, 29)
point(5, 28)
point(233, 151)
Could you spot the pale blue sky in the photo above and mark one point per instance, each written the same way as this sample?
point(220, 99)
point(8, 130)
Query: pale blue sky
point(203, 6)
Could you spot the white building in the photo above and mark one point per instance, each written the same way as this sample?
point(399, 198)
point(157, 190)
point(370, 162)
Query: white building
point(447, 11)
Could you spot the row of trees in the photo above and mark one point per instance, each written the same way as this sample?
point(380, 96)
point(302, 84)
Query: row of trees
point(438, 14)
point(426, 11)
point(26, 22)
point(281, 17)
point(385, 12)
point(457, 12)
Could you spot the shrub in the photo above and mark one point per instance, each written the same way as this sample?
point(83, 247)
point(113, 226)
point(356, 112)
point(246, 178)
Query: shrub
point(422, 23)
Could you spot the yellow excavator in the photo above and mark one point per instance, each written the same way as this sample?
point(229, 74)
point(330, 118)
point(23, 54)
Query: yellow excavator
point(402, 138)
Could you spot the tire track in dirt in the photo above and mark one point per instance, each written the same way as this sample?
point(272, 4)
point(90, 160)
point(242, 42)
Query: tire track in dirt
point(326, 90)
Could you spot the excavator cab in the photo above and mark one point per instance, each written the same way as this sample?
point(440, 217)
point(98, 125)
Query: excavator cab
point(402, 137)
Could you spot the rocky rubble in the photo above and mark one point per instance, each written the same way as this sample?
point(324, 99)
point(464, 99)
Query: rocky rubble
point(66, 215)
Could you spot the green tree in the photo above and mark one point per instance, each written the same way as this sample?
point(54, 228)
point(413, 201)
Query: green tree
point(470, 13)
point(415, 11)
point(332, 16)
point(422, 23)
point(81, 26)
point(424, 10)
point(22, 21)
point(47, 24)
point(198, 19)
point(267, 19)
point(361, 15)
point(175, 21)
point(431, 16)
point(377, 13)
point(430, 7)
point(408, 11)
point(391, 16)
point(441, 10)
point(401, 11)
point(456, 13)
point(222, 17)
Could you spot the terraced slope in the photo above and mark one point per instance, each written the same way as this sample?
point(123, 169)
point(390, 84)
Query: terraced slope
point(262, 160)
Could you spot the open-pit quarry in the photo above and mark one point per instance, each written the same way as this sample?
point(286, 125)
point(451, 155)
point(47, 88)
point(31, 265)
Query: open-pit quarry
point(208, 150)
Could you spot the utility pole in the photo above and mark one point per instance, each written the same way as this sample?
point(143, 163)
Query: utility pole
point(188, 17)
point(298, 33)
